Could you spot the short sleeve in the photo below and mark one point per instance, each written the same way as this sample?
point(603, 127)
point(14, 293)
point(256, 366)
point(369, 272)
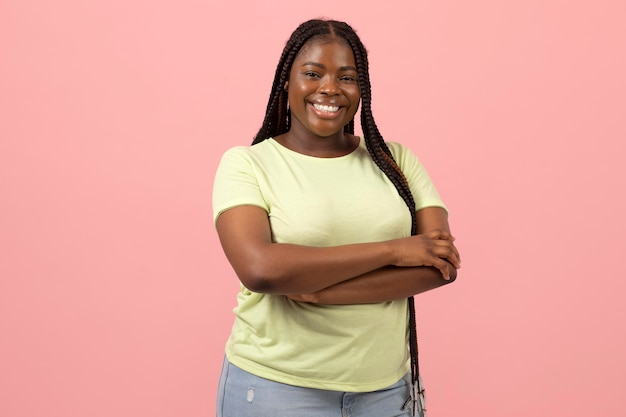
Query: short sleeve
point(424, 191)
point(236, 182)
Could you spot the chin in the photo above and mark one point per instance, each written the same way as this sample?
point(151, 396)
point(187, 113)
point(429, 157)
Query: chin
point(327, 132)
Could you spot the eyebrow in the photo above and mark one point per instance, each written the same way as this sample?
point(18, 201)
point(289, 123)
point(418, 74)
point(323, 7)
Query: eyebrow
point(317, 64)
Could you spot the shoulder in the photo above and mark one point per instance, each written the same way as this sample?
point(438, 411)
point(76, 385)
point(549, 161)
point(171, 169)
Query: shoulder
point(397, 148)
point(246, 149)
point(246, 153)
point(403, 155)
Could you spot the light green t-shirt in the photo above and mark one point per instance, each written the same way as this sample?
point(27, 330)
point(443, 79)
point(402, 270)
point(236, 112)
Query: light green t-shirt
point(321, 202)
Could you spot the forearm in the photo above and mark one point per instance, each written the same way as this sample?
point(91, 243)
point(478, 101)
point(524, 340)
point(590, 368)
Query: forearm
point(293, 269)
point(384, 284)
point(278, 268)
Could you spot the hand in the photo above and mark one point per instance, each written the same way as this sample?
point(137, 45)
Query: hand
point(435, 248)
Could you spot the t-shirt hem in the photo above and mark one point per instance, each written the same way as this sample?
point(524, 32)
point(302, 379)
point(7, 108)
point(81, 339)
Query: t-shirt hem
point(263, 372)
point(422, 204)
point(233, 205)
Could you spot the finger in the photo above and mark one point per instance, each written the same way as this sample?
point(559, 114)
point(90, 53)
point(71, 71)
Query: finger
point(453, 260)
point(443, 268)
point(440, 234)
point(435, 234)
point(456, 255)
point(446, 250)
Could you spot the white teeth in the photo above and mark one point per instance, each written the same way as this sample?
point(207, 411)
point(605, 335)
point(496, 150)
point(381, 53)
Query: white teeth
point(328, 109)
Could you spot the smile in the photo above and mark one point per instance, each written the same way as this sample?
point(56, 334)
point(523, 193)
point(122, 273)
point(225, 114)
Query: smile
point(327, 109)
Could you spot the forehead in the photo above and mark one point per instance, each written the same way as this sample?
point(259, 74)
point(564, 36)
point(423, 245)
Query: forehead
point(324, 48)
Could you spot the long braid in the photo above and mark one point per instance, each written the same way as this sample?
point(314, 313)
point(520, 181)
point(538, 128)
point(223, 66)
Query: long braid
point(277, 121)
point(383, 158)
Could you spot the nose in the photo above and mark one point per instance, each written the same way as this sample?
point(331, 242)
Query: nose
point(329, 86)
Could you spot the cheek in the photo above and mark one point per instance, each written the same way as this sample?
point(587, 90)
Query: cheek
point(356, 99)
point(355, 95)
point(297, 91)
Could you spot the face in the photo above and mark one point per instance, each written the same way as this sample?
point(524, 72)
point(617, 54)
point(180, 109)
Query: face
point(323, 89)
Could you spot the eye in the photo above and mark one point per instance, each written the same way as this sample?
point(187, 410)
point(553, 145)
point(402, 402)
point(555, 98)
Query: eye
point(311, 74)
point(349, 78)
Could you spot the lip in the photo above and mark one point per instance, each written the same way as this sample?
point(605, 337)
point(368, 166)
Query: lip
point(323, 114)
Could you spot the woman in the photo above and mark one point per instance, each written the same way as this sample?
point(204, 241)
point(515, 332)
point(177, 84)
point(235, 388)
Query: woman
point(331, 235)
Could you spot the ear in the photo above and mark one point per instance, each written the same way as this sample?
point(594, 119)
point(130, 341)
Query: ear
point(286, 87)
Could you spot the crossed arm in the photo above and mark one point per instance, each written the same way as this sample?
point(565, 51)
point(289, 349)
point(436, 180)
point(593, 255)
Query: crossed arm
point(348, 274)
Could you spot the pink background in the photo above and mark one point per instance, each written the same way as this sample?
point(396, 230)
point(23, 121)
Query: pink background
point(115, 298)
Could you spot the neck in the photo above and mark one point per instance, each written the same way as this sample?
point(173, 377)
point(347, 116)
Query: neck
point(306, 143)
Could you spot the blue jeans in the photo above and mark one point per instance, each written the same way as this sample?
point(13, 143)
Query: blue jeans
point(242, 394)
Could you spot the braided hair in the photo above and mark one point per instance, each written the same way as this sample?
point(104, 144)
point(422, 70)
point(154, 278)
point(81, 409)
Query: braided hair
point(278, 121)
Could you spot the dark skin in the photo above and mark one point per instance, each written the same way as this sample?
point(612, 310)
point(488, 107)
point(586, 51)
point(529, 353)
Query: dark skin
point(323, 74)
point(323, 98)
